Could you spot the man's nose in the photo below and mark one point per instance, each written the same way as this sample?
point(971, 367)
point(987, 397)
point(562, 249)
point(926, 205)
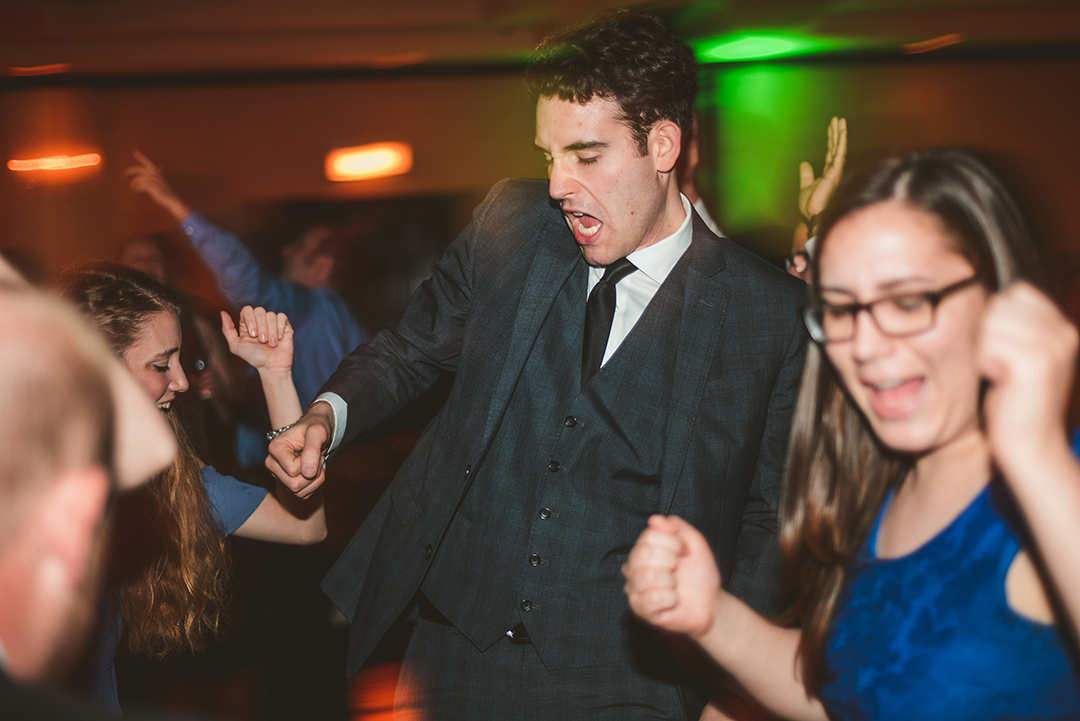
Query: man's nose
point(561, 182)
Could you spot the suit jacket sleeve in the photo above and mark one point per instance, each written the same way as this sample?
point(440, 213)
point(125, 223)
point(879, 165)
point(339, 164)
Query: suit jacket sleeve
point(756, 573)
point(381, 377)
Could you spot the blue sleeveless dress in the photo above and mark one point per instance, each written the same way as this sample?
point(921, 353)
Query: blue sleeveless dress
point(930, 635)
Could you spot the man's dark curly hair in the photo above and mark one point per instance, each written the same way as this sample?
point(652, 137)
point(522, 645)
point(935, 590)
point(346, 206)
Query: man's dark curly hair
point(630, 58)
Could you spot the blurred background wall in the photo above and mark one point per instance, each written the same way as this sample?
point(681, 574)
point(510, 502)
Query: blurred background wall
point(240, 102)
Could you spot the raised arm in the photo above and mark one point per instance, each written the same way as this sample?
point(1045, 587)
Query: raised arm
point(145, 177)
point(1028, 353)
point(814, 193)
point(673, 583)
point(239, 276)
point(265, 340)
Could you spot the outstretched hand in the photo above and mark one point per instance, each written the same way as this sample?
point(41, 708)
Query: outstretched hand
point(672, 580)
point(814, 193)
point(145, 177)
point(264, 338)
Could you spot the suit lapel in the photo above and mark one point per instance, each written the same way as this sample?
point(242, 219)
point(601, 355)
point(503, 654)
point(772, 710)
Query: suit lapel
point(705, 304)
point(555, 258)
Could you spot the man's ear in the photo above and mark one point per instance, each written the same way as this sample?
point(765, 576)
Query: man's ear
point(71, 520)
point(665, 142)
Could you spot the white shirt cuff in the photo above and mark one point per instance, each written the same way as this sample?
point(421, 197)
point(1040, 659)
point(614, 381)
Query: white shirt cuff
point(340, 412)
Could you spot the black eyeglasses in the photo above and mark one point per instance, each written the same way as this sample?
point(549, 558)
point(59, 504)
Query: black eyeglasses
point(895, 315)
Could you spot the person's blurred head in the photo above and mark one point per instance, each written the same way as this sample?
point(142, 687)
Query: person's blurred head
point(907, 255)
point(310, 259)
point(614, 98)
point(57, 420)
point(146, 254)
point(140, 318)
point(928, 236)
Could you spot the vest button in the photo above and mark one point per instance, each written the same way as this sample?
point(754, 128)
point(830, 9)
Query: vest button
point(526, 605)
point(554, 466)
point(428, 551)
point(545, 513)
point(570, 422)
point(534, 560)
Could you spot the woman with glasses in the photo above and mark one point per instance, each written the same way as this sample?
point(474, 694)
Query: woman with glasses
point(931, 518)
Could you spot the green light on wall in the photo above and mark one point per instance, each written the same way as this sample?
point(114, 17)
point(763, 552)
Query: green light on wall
point(770, 117)
point(759, 46)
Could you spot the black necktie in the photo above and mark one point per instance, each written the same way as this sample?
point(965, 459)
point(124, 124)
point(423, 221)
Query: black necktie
point(598, 316)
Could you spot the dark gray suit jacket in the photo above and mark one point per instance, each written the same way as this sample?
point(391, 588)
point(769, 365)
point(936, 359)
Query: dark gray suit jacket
point(738, 362)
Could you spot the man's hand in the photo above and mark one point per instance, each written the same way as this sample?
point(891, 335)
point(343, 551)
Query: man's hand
point(814, 193)
point(148, 178)
point(296, 456)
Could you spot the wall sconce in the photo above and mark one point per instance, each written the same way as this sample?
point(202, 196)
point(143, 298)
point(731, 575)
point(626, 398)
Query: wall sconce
point(366, 162)
point(56, 162)
point(937, 43)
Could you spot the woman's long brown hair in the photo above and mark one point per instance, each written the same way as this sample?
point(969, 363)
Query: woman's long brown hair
point(838, 474)
point(168, 553)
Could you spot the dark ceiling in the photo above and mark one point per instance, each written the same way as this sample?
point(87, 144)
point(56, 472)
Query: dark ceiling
point(161, 37)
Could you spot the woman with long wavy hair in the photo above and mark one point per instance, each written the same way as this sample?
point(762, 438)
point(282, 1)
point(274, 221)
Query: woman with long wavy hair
point(169, 564)
point(929, 520)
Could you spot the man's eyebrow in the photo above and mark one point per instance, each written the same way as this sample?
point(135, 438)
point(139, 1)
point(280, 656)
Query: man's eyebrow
point(583, 145)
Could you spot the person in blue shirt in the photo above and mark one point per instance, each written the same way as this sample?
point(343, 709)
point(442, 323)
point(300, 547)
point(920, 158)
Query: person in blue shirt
point(169, 561)
point(929, 516)
point(326, 329)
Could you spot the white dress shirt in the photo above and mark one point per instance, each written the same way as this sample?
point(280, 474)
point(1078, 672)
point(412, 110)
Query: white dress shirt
point(634, 292)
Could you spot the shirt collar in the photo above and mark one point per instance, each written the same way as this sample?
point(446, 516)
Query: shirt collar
point(657, 260)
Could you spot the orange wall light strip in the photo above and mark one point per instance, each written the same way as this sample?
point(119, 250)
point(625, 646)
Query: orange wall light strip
point(56, 162)
point(366, 162)
point(53, 69)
